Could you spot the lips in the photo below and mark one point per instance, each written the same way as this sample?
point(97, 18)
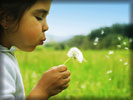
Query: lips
point(42, 41)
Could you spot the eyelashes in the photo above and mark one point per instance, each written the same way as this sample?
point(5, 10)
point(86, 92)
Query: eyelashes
point(39, 18)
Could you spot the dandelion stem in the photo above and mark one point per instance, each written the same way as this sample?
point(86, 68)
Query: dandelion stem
point(67, 60)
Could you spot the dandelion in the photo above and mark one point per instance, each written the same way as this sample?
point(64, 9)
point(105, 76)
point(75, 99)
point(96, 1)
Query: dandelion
point(111, 52)
point(110, 71)
point(75, 53)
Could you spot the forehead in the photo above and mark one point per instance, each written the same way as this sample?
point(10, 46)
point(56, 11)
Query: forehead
point(41, 4)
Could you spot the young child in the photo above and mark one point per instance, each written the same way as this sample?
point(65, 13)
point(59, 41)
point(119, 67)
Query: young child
point(23, 24)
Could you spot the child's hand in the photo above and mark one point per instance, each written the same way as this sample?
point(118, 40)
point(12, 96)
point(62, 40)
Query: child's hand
point(53, 81)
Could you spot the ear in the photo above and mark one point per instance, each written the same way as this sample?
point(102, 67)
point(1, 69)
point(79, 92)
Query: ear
point(5, 23)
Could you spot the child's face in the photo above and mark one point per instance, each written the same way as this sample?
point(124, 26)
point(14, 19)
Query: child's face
point(32, 27)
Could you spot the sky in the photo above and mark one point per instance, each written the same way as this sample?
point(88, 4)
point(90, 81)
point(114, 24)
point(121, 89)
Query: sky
point(69, 19)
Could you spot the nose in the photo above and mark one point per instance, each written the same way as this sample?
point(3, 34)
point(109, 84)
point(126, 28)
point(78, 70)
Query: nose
point(45, 27)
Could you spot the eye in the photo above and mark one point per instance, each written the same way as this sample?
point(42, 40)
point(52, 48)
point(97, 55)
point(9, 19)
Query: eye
point(38, 18)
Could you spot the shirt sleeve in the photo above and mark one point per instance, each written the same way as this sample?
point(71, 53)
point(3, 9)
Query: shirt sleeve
point(7, 80)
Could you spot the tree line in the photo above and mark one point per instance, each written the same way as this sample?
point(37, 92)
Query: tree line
point(117, 36)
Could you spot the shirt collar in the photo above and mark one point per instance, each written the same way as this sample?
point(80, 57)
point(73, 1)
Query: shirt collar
point(4, 49)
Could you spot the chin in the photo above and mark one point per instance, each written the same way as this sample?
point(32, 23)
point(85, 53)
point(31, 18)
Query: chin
point(30, 49)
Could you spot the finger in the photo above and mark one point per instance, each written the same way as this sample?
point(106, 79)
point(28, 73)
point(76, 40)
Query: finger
point(62, 68)
point(65, 86)
point(66, 74)
point(65, 81)
point(58, 90)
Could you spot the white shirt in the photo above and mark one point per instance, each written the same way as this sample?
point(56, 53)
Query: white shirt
point(11, 84)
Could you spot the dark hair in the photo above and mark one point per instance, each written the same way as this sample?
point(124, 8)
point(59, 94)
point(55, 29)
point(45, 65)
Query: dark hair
point(14, 9)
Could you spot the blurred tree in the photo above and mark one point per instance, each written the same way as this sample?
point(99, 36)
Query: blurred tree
point(107, 40)
point(76, 41)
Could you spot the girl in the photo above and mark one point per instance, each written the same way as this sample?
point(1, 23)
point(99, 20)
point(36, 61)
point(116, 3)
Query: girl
point(23, 24)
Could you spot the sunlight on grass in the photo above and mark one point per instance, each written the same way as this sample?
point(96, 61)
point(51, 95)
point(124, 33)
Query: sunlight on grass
point(99, 77)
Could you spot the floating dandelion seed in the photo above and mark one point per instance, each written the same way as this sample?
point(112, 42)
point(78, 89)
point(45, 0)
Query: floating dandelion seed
point(34, 75)
point(107, 57)
point(110, 79)
point(75, 53)
point(126, 63)
point(67, 97)
point(83, 86)
point(126, 48)
point(102, 32)
point(95, 43)
point(111, 52)
point(121, 60)
point(96, 39)
point(119, 38)
point(119, 46)
point(110, 71)
point(124, 43)
point(130, 40)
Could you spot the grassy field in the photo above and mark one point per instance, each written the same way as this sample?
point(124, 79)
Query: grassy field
point(102, 76)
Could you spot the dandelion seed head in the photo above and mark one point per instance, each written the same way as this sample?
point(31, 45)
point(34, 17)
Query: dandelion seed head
point(75, 53)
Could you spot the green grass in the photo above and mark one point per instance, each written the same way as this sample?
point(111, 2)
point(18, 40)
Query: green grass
point(88, 79)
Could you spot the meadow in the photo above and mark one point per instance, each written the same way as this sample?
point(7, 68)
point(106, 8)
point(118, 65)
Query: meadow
point(104, 75)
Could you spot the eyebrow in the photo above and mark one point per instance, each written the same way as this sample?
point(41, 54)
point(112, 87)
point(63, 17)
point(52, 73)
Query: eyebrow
point(43, 11)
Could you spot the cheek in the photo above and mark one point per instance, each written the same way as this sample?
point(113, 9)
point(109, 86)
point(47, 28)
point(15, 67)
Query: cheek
point(31, 31)
point(34, 32)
